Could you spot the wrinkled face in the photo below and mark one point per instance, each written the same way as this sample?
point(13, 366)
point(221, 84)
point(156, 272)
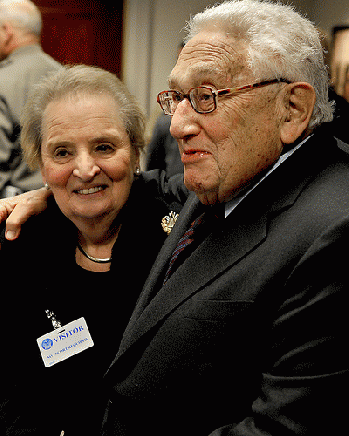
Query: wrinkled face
point(87, 158)
point(223, 150)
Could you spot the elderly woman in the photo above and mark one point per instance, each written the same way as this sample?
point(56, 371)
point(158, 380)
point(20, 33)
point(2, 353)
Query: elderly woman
point(84, 131)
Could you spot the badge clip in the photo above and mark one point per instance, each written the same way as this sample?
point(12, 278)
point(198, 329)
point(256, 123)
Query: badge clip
point(50, 315)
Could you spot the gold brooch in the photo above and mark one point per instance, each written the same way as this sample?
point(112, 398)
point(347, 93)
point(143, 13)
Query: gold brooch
point(169, 221)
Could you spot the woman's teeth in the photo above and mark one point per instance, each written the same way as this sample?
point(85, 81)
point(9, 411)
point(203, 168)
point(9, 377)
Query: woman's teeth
point(90, 191)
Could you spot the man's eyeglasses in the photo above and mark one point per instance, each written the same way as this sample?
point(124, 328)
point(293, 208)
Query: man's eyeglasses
point(203, 99)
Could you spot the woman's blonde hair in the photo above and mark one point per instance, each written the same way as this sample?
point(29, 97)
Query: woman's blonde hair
point(74, 81)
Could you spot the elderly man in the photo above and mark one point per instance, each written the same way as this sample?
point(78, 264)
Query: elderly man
point(241, 326)
point(23, 64)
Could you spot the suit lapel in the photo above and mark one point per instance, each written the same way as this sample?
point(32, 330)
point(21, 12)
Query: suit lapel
point(155, 278)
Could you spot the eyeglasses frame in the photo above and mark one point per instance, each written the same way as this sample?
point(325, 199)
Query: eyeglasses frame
point(217, 93)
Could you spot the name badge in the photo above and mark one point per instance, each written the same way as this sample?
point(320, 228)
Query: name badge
point(64, 342)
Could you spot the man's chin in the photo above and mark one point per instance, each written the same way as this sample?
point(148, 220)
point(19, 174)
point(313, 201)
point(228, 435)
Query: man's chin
point(206, 192)
point(206, 197)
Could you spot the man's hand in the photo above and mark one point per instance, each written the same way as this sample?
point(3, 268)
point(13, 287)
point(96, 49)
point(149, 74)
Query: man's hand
point(17, 210)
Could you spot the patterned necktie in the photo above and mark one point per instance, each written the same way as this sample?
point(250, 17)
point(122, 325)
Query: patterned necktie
point(182, 244)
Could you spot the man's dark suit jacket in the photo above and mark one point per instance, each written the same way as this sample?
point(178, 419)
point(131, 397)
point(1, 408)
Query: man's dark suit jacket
point(249, 336)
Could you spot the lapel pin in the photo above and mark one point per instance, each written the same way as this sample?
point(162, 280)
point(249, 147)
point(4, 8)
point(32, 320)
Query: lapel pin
point(169, 221)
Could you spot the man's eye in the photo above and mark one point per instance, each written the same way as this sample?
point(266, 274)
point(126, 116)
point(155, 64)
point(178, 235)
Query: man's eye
point(177, 97)
point(206, 97)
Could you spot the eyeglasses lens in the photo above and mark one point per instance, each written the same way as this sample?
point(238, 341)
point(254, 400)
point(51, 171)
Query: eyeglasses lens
point(203, 99)
point(167, 103)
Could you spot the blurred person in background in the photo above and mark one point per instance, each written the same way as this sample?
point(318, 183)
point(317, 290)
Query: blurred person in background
point(22, 64)
point(339, 125)
point(162, 151)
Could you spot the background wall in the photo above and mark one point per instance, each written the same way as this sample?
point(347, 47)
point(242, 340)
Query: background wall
point(83, 31)
point(152, 32)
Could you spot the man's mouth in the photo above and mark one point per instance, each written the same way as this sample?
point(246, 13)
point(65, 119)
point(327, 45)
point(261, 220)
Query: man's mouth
point(189, 156)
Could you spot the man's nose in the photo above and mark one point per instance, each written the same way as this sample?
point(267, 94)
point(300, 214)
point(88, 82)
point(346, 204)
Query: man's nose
point(184, 123)
point(86, 167)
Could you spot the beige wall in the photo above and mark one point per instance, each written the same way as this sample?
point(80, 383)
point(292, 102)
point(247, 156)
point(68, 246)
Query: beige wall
point(151, 37)
point(152, 31)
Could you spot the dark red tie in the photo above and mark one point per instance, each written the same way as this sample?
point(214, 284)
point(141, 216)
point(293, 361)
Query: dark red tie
point(205, 224)
point(182, 244)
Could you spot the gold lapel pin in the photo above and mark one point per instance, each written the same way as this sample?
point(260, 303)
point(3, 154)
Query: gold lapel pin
point(169, 221)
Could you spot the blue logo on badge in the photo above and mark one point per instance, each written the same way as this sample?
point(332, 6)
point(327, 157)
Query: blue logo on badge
point(47, 344)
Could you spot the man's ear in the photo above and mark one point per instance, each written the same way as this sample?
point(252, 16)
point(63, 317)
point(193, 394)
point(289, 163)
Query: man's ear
point(298, 106)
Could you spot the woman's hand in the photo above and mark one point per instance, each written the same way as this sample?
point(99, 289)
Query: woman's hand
point(16, 210)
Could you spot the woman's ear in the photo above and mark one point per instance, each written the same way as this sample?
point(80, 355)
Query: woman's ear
point(137, 164)
point(43, 174)
point(298, 106)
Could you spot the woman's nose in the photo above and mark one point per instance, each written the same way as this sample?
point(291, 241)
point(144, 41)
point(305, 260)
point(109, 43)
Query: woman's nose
point(184, 121)
point(86, 167)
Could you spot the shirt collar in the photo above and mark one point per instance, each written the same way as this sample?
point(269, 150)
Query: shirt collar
point(232, 204)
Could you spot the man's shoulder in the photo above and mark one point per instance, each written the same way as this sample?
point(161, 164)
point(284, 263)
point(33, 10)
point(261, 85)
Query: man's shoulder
point(321, 152)
point(332, 159)
point(20, 73)
point(27, 64)
point(312, 188)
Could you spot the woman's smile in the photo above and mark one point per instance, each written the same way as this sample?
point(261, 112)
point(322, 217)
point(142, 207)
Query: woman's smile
point(89, 191)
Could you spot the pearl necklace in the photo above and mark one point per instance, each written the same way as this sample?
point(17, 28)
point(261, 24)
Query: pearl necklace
point(94, 259)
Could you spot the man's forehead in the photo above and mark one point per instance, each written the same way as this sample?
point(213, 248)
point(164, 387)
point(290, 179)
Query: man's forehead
point(208, 57)
point(197, 74)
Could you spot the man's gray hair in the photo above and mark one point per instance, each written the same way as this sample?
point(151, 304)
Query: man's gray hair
point(74, 82)
point(280, 44)
point(23, 14)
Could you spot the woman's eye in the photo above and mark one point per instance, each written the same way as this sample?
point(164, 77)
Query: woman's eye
point(61, 152)
point(105, 148)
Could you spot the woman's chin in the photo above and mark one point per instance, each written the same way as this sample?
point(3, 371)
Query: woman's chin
point(91, 212)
